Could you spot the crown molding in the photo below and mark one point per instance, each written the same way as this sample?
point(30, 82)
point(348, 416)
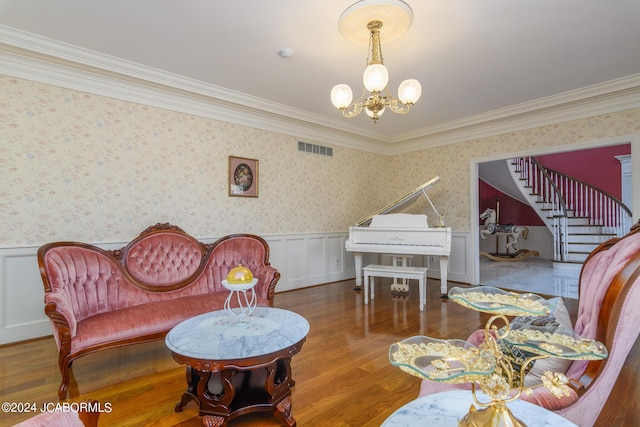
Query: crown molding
point(43, 60)
point(608, 97)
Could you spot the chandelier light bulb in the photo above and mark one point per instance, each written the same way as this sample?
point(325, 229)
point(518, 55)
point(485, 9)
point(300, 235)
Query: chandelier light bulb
point(409, 91)
point(341, 96)
point(371, 114)
point(375, 77)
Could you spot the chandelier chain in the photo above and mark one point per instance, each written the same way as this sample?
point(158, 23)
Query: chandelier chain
point(375, 47)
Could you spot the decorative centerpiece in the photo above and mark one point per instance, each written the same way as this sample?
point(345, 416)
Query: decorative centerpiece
point(240, 280)
point(487, 365)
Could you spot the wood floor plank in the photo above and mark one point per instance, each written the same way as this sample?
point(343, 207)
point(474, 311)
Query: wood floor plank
point(343, 376)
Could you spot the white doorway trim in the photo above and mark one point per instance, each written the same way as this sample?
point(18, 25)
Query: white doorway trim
point(633, 139)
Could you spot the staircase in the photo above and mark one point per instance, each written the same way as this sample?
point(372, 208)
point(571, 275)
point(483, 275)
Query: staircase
point(579, 216)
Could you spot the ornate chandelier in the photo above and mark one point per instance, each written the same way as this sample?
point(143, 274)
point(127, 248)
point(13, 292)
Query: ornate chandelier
point(397, 16)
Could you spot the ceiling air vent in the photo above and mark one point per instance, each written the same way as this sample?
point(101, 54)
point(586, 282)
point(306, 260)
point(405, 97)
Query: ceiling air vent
point(315, 149)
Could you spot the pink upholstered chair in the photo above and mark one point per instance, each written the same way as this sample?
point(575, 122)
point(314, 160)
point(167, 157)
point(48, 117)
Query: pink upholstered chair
point(82, 418)
point(608, 312)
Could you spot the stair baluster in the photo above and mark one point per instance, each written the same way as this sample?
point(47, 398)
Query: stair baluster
point(559, 199)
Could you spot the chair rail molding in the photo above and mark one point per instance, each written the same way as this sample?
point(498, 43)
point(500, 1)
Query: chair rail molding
point(302, 259)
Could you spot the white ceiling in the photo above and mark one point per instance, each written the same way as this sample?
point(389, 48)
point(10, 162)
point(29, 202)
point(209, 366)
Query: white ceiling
point(476, 59)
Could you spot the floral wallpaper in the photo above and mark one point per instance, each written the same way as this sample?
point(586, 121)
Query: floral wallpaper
point(452, 162)
point(79, 166)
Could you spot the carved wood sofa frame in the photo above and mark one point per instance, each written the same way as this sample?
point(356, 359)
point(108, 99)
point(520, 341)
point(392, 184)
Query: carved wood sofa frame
point(98, 299)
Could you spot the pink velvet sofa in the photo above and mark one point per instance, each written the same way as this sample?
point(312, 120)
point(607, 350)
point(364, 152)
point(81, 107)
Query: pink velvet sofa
point(609, 291)
point(98, 299)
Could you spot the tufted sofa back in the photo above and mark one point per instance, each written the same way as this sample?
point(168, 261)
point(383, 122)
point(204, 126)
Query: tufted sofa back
point(162, 263)
point(163, 260)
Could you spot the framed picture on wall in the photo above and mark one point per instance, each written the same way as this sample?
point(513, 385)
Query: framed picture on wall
point(243, 177)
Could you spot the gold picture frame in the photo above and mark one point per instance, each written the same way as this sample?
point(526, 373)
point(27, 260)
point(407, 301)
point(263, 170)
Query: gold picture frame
point(243, 177)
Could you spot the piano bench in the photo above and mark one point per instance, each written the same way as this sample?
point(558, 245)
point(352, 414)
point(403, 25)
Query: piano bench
point(395, 271)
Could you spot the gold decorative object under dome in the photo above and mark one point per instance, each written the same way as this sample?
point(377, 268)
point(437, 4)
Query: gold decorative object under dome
point(239, 281)
point(239, 275)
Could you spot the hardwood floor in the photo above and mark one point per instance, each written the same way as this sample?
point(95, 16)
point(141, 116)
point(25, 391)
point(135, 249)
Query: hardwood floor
point(343, 376)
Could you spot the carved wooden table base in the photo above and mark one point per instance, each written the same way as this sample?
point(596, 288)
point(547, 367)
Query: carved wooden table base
point(226, 394)
point(237, 368)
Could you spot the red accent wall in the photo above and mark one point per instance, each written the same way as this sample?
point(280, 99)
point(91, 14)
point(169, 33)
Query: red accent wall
point(597, 166)
point(512, 211)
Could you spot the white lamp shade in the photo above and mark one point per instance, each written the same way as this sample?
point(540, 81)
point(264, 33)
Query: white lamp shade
point(341, 96)
point(370, 113)
point(409, 91)
point(375, 77)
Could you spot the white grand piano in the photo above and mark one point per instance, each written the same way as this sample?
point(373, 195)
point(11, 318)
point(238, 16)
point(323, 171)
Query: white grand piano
point(402, 234)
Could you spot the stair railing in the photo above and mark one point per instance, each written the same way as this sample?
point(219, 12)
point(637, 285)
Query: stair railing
point(542, 185)
point(602, 209)
point(563, 195)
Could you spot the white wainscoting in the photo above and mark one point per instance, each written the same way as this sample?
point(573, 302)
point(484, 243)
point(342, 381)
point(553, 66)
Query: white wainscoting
point(302, 259)
point(310, 259)
point(21, 296)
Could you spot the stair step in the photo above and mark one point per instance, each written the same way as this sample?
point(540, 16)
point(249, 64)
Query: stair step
point(570, 219)
point(575, 221)
point(585, 240)
point(576, 256)
point(582, 236)
point(584, 229)
point(582, 247)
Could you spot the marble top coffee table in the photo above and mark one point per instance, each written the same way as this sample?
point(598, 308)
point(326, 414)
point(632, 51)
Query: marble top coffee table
point(234, 368)
point(447, 408)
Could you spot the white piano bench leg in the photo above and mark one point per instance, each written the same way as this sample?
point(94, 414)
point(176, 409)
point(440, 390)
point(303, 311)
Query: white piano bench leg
point(422, 292)
point(366, 287)
point(373, 283)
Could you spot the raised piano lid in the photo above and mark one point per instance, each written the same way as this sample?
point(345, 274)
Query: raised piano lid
point(409, 197)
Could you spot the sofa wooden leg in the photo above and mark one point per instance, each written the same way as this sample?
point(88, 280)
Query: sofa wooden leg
point(62, 391)
point(64, 385)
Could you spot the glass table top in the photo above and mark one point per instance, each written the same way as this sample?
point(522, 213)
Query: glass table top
point(562, 343)
point(451, 361)
point(457, 361)
point(492, 300)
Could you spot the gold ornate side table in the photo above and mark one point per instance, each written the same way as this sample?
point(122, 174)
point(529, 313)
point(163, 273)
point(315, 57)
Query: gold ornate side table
point(487, 366)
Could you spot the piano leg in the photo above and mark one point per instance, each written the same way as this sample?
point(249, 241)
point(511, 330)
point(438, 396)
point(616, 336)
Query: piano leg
point(444, 268)
point(357, 256)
